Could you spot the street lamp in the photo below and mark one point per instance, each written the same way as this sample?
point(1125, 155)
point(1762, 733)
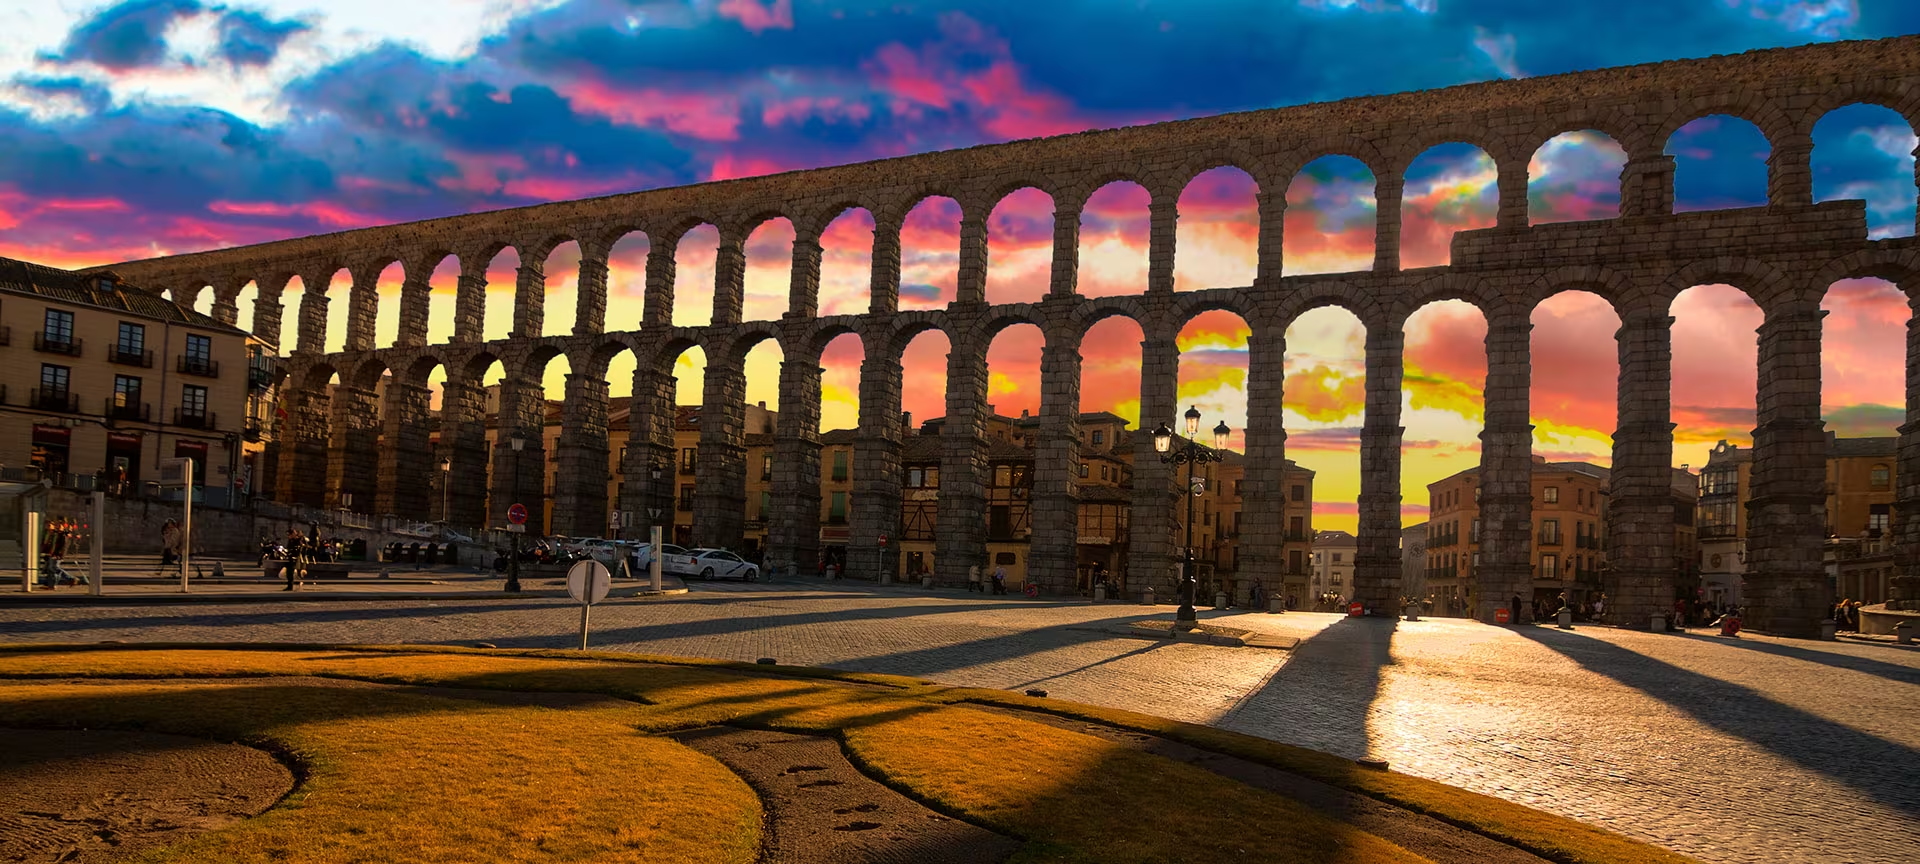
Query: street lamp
point(513, 559)
point(1190, 454)
point(446, 480)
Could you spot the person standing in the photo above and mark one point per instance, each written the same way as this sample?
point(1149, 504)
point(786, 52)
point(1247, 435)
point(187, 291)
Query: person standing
point(169, 543)
point(999, 579)
point(973, 579)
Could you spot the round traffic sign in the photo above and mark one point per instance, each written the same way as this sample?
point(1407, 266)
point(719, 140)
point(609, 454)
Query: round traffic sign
point(1356, 608)
point(517, 514)
point(1500, 616)
point(588, 581)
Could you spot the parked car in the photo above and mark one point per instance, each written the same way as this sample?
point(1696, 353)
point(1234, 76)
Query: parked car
point(721, 564)
point(673, 559)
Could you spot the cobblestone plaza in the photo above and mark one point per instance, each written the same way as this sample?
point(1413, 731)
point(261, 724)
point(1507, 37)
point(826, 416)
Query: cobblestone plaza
point(1755, 750)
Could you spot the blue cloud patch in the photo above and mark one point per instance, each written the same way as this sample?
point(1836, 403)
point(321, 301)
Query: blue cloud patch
point(250, 39)
point(127, 36)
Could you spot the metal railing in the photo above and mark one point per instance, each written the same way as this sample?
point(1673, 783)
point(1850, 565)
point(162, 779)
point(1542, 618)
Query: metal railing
point(193, 419)
point(54, 400)
point(130, 357)
point(118, 409)
point(1549, 539)
point(200, 366)
point(259, 377)
point(69, 347)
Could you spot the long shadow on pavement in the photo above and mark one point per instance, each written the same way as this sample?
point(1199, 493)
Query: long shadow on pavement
point(1324, 694)
point(1864, 665)
point(1875, 767)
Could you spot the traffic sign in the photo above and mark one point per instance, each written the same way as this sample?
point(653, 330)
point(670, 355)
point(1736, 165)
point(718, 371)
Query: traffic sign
point(1356, 608)
point(883, 540)
point(588, 581)
point(517, 514)
point(653, 513)
point(1500, 616)
point(1199, 486)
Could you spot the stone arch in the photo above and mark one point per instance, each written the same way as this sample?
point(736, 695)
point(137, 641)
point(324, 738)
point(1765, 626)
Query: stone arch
point(904, 329)
point(1230, 156)
point(1869, 90)
point(1610, 285)
point(768, 252)
point(843, 277)
point(1442, 287)
point(1690, 167)
point(1878, 169)
point(1899, 266)
point(692, 269)
point(929, 264)
point(1020, 254)
point(1309, 236)
point(1763, 113)
point(1217, 243)
point(368, 371)
point(1761, 282)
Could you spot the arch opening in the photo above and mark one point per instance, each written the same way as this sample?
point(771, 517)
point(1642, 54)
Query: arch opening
point(386, 308)
point(694, 259)
point(1866, 151)
point(1443, 410)
point(627, 284)
point(846, 264)
point(560, 283)
point(768, 284)
point(1324, 405)
point(1217, 236)
point(1331, 218)
point(930, 254)
point(840, 365)
point(1112, 258)
point(1447, 188)
point(502, 274)
point(1020, 247)
point(1575, 176)
point(1720, 162)
point(443, 300)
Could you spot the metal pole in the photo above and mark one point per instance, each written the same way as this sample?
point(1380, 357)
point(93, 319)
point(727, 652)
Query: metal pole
point(29, 549)
point(97, 566)
point(186, 529)
point(584, 606)
point(653, 567)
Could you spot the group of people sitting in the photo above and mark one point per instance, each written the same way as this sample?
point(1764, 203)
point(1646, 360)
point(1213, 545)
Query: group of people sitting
point(1846, 616)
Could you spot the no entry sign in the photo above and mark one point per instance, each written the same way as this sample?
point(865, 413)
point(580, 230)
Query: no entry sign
point(1500, 616)
point(1356, 608)
point(517, 514)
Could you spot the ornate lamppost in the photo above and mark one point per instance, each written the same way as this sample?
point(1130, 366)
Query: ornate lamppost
point(1190, 454)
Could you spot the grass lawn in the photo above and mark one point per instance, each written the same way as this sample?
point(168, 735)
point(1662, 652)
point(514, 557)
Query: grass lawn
point(393, 775)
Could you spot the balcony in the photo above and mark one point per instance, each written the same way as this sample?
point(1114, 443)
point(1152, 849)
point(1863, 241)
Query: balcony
point(1549, 540)
point(54, 400)
point(69, 347)
point(200, 366)
point(193, 419)
point(134, 410)
point(259, 377)
point(685, 505)
point(1713, 532)
point(252, 431)
point(126, 356)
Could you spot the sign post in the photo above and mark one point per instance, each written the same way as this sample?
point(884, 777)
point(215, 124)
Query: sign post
point(588, 582)
point(653, 567)
point(30, 528)
point(516, 525)
point(99, 540)
point(179, 472)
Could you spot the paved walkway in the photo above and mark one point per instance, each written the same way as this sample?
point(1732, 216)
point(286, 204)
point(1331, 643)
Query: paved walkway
point(1755, 750)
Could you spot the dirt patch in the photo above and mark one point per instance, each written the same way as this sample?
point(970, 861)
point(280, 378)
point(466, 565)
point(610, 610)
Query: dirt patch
point(822, 809)
point(1423, 835)
point(94, 796)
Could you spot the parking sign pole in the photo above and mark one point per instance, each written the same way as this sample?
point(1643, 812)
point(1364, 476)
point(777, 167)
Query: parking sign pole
point(653, 567)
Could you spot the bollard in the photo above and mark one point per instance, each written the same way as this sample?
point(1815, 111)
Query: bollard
point(1827, 629)
point(1146, 597)
point(1413, 613)
point(1276, 604)
point(1903, 633)
point(1658, 624)
point(886, 578)
point(1099, 593)
point(1566, 620)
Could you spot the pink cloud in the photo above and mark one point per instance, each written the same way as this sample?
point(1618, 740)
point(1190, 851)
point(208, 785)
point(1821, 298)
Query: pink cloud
point(569, 188)
point(708, 117)
point(925, 364)
point(1576, 363)
point(800, 109)
point(775, 15)
point(729, 166)
point(1013, 370)
point(324, 212)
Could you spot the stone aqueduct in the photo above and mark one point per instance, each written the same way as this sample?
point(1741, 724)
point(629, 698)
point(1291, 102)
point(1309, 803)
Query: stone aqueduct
point(1782, 254)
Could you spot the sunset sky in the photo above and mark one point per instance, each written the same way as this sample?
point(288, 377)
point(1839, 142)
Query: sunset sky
point(165, 126)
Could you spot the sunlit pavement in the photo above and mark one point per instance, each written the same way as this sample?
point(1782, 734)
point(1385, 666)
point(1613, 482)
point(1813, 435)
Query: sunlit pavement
point(1753, 749)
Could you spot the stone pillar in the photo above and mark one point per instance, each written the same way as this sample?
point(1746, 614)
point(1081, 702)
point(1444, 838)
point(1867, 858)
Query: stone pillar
point(1916, 184)
point(877, 493)
point(1054, 551)
point(960, 528)
point(1263, 522)
point(884, 289)
point(1163, 234)
point(803, 294)
point(657, 308)
point(303, 479)
point(1150, 557)
point(1646, 186)
point(972, 276)
point(1376, 563)
point(407, 465)
point(1506, 470)
point(580, 475)
point(1386, 221)
point(352, 460)
point(470, 303)
point(1640, 491)
point(729, 280)
point(530, 301)
point(1790, 172)
point(415, 299)
point(720, 484)
point(1065, 276)
point(1512, 211)
point(793, 528)
point(313, 316)
point(267, 310)
point(1273, 232)
point(590, 305)
point(363, 307)
point(519, 476)
point(226, 308)
point(649, 446)
point(463, 435)
point(1905, 529)
point(1787, 592)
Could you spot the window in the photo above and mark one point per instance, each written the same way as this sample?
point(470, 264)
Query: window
point(1549, 566)
point(1083, 471)
point(1550, 531)
point(53, 379)
point(689, 459)
point(132, 342)
point(1099, 436)
point(1473, 532)
point(193, 400)
point(1336, 557)
point(1882, 478)
point(126, 396)
point(1236, 488)
point(839, 465)
point(1104, 475)
point(1000, 522)
point(1006, 558)
point(1299, 493)
point(1878, 516)
point(837, 509)
point(686, 497)
point(1551, 495)
point(1002, 475)
point(766, 467)
point(916, 478)
point(199, 349)
point(766, 505)
point(59, 326)
point(1293, 560)
point(1296, 528)
point(1020, 475)
point(1580, 497)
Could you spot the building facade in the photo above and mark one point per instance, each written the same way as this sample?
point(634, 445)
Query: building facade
point(1567, 537)
point(103, 380)
point(1333, 554)
point(1861, 488)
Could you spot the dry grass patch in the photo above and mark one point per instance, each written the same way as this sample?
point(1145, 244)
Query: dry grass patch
point(1073, 796)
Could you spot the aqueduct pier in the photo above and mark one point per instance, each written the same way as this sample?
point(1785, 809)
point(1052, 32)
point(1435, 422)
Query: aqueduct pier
point(1783, 255)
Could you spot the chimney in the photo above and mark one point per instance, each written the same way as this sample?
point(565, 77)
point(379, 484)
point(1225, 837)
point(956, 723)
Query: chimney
point(990, 411)
point(1024, 413)
point(763, 404)
point(906, 421)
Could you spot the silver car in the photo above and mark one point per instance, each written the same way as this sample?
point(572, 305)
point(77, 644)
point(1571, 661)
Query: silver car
point(675, 560)
point(721, 564)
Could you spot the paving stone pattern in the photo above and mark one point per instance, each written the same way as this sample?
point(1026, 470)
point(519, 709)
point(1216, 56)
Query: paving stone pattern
point(1756, 750)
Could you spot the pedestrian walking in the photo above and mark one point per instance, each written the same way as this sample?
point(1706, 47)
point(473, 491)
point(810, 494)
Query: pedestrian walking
point(973, 579)
point(1513, 610)
point(999, 579)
